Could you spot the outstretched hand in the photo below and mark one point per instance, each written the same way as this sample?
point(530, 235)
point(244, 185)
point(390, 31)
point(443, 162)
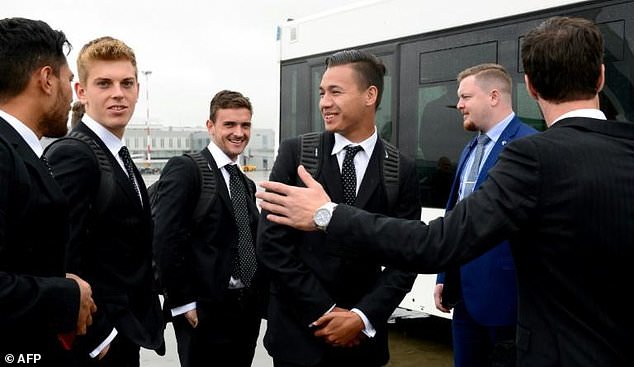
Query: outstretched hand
point(291, 205)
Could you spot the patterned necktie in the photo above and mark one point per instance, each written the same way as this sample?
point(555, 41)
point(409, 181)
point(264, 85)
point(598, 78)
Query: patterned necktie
point(472, 177)
point(127, 162)
point(349, 175)
point(245, 266)
point(47, 165)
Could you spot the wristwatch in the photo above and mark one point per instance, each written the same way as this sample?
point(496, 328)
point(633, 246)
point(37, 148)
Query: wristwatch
point(323, 215)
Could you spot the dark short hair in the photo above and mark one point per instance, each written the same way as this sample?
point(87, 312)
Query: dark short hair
point(25, 46)
point(370, 69)
point(562, 58)
point(228, 99)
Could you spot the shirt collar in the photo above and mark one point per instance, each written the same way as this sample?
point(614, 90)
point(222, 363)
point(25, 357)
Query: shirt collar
point(584, 112)
point(219, 156)
point(496, 131)
point(25, 132)
point(111, 141)
point(368, 144)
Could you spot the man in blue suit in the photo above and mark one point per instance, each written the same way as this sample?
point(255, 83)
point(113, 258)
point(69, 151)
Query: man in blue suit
point(482, 292)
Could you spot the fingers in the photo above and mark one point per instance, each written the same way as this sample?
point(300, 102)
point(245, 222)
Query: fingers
point(192, 317)
point(325, 319)
point(277, 187)
point(306, 178)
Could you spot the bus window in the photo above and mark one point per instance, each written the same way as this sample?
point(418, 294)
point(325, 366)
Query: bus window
point(441, 138)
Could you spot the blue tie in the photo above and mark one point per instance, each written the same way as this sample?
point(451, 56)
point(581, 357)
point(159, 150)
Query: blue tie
point(472, 177)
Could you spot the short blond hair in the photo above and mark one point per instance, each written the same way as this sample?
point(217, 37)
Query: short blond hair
point(485, 74)
point(103, 48)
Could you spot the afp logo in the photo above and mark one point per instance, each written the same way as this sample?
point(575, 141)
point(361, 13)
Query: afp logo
point(23, 358)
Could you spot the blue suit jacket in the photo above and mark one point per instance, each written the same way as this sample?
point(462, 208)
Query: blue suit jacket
point(488, 282)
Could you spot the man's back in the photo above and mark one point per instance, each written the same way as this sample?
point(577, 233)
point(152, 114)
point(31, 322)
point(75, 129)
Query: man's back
point(33, 235)
point(575, 227)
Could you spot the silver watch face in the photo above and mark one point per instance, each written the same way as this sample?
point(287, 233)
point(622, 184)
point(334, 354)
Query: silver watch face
point(322, 217)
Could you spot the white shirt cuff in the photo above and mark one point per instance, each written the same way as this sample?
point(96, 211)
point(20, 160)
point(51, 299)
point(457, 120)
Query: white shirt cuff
point(104, 343)
point(182, 309)
point(369, 330)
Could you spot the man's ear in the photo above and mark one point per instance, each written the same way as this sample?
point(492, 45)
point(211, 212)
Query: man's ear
point(601, 81)
point(45, 77)
point(529, 87)
point(372, 93)
point(80, 91)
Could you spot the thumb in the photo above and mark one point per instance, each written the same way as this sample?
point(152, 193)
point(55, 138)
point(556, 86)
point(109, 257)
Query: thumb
point(307, 179)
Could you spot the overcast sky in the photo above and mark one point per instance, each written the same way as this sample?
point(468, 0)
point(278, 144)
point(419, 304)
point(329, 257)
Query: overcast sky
point(194, 48)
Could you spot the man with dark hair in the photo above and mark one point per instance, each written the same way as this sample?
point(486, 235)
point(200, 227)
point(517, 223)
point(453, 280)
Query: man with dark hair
point(214, 291)
point(41, 307)
point(326, 310)
point(564, 198)
point(111, 224)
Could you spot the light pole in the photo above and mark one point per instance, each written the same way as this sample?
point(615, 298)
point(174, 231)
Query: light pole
point(147, 74)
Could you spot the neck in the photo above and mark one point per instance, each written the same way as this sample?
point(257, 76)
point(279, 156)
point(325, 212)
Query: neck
point(552, 110)
point(21, 108)
point(360, 132)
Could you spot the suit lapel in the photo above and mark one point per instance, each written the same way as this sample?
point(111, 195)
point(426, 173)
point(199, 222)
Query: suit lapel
point(330, 175)
point(507, 135)
point(121, 177)
point(29, 158)
point(453, 194)
point(372, 176)
point(221, 185)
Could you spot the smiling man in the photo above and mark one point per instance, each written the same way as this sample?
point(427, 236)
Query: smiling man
point(213, 289)
point(326, 310)
point(111, 238)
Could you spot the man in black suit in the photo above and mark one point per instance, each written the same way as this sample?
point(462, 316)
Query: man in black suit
point(564, 198)
point(111, 240)
point(213, 289)
point(41, 307)
point(326, 310)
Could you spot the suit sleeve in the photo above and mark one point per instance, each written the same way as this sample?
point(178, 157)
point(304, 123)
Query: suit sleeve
point(277, 250)
point(77, 173)
point(393, 284)
point(508, 201)
point(27, 299)
point(178, 191)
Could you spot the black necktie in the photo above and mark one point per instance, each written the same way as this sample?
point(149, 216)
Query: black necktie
point(128, 164)
point(47, 165)
point(472, 177)
point(349, 175)
point(245, 266)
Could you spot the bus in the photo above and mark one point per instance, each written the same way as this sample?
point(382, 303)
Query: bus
point(424, 45)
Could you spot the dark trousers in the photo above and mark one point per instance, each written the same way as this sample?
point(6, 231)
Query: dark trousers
point(122, 353)
point(226, 334)
point(336, 357)
point(476, 345)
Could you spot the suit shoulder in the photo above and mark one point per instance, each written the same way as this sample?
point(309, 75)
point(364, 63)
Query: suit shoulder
point(70, 147)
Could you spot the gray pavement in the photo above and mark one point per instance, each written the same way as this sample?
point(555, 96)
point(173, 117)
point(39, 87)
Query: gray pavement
point(170, 359)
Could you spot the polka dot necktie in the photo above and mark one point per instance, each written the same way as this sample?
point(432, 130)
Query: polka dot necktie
point(245, 264)
point(349, 175)
point(128, 164)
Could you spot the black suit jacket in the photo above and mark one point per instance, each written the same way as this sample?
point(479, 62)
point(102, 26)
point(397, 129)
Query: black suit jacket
point(196, 262)
point(309, 275)
point(36, 301)
point(565, 199)
point(111, 250)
